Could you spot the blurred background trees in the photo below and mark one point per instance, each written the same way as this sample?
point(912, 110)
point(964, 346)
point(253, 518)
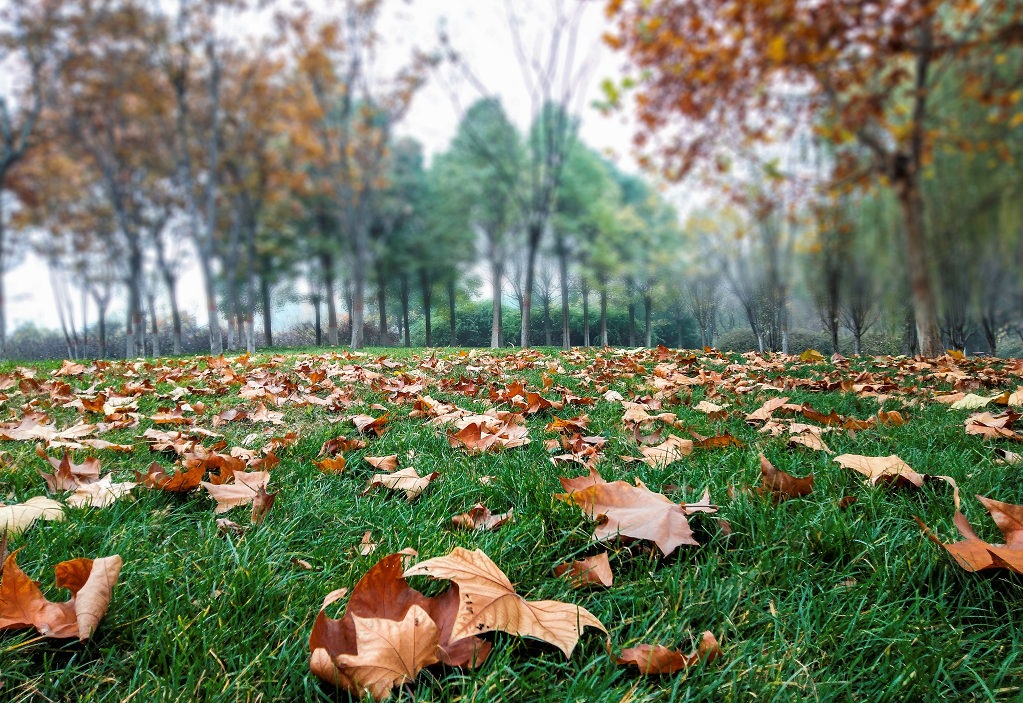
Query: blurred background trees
point(869, 207)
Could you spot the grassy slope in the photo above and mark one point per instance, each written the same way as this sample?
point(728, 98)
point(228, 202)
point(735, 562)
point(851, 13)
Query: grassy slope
point(809, 602)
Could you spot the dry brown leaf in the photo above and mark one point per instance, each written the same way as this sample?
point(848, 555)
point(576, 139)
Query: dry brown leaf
point(100, 494)
point(389, 652)
point(810, 441)
point(488, 602)
point(67, 475)
point(624, 510)
point(383, 463)
point(405, 480)
point(591, 571)
point(658, 659)
point(479, 517)
point(242, 491)
point(367, 546)
point(91, 582)
point(331, 465)
point(780, 484)
point(181, 482)
point(891, 470)
point(17, 518)
point(973, 553)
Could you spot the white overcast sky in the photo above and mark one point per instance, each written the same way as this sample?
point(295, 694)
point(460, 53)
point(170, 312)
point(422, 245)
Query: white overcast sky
point(479, 30)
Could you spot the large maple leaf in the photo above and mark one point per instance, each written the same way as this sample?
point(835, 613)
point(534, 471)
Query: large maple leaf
point(973, 553)
point(637, 512)
point(488, 602)
point(91, 582)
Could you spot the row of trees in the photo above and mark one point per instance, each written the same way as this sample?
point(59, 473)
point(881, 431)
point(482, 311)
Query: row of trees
point(141, 139)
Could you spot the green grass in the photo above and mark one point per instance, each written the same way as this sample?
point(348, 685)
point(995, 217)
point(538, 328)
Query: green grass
point(808, 601)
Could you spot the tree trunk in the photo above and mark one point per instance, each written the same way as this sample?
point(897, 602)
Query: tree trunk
point(230, 331)
point(101, 312)
point(924, 307)
point(327, 263)
point(647, 302)
point(533, 243)
point(603, 316)
point(362, 263)
point(381, 309)
point(586, 313)
point(547, 332)
point(453, 341)
point(154, 326)
point(566, 332)
point(264, 293)
point(426, 285)
point(497, 276)
point(632, 323)
point(678, 330)
point(858, 343)
point(316, 314)
point(403, 294)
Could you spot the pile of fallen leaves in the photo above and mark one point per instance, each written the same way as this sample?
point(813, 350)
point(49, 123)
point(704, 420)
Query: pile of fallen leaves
point(389, 631)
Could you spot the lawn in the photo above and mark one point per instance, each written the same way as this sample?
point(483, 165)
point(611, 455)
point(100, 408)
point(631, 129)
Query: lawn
point(808, 600)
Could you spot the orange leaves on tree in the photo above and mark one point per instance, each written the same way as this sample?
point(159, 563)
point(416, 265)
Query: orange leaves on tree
point(91, 582)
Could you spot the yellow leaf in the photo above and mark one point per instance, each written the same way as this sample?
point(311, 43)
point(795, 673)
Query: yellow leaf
point(776, 49)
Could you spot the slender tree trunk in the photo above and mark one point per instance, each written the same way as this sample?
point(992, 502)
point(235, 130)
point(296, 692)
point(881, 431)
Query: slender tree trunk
point(566, 332)
point(497, 276)
point(101, 313)
point(547, 332)
point(230, 331)
point(603, 316)
point(403, 294)
point(362, 263)
point(924, 307)
point(154, 325)
point(264, 293)
point(533, 243)
point(647, 303)
point(381, 309)
point(858, 343)
point(316, 314)
point(327, 262)
point(632, 323)
point(453, 327)
point(426, 285)
point(586, 312)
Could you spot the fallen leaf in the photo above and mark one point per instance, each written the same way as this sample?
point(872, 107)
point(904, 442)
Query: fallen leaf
point(658, 659)
point(389, 652)
point(479, 517)
point(405, 480)
point(973, 553)
point(90, 581)
point(367, 546)
point(100, 494)
point(180, 482)
point(331, 465)
point(383, 463)
point(67, 475)
point(636, 512)
point(780, 484)
point(242, 491)
point(488, 602)
point(591, 571)
point(17, 518)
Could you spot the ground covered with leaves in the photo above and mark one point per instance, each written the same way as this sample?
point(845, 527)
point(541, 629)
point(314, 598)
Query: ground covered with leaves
point(780, 529)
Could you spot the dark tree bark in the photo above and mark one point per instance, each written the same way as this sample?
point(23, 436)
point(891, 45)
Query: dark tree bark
point(453, 328)
point(586, 313)
point(404, 309)
point(426, 286)
point(264, 294)
point(382, 308)
point(603, 315)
